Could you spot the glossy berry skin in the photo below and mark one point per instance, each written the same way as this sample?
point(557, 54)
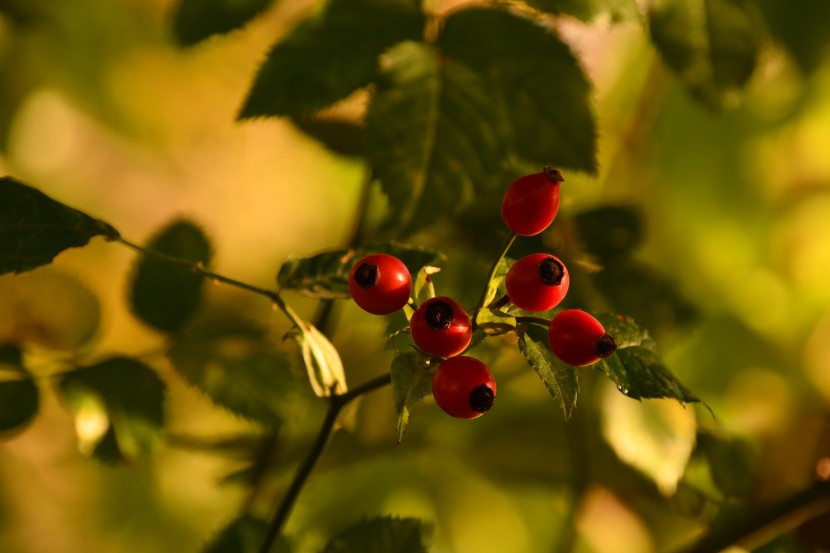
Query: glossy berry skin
point(531, 202)
point(464, 387)
point(380, 284)
point(537, 282)
point(441, 328)
point(579, 339)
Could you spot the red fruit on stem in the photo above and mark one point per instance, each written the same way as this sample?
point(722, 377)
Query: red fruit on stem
point(537, 282)
point(464, 387)
point(380, 284)
point(441, 328)
point(579, 339)
point(531, 202)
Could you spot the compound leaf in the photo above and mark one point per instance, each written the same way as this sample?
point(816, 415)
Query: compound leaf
point(166, 295)
point(330, 55)
point(196, 20)
point(561, 379)
point(36, 228)
point(433, 141)
point(411, 382)
point(539, 87)
point(380, 535)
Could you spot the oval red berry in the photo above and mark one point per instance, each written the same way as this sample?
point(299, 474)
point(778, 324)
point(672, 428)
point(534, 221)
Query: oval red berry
point(441, 328)
point(531, 202)
point(537, 282)
point(578, 339)
point(380, 284)
point(464, 387)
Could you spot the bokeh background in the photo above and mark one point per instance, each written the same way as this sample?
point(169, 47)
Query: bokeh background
point(723, 221)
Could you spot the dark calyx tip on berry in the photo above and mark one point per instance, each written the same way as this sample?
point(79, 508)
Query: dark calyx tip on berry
point(553, 174)
point(439, 315)
point(366, 275)
point(482, 398)
point(606, 345)
point(551, 271)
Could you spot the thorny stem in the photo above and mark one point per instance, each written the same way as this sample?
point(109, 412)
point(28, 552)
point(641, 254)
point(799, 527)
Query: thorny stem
point(491, 275)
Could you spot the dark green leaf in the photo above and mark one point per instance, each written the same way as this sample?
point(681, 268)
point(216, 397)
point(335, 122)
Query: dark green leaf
point(118, 405)
point(19, 395)
point(196, 20)
point(432, 139)
point(801, 26)
point(588, 10)
point(733, 464)
point(326, 274)
point(540, 88)
point(712, 45)
point(166, 295)
point(411, 382)
point(235, 365)
point(610, 232)
point(380, 535)
point(245, 535)
point(340, 136)
point(330, 55)
point(561, 380)
point(36, 228)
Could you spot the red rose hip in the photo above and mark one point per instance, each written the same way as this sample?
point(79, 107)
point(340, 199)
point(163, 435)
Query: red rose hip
point(579, 339)
point(537, 282)
point(380, 284)
point(531, 202)
point(441, 328)
point(464, 387)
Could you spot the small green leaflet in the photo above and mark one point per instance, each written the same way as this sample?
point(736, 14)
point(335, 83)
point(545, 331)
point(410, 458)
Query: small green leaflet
point(19, 395)
point(196, 20)
point(380, 535)
point(245, 535)
point(433, 141)
point(326, 274)
point(411, 382)
point(712, 45)
point(330, 55)
point(35, 228)
point(561, 380)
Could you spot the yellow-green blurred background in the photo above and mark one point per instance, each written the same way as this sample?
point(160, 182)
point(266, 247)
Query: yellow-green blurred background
point(102, 111)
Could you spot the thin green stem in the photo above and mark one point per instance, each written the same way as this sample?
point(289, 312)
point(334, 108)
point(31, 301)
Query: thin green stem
point(492, 274)
point(534, 321)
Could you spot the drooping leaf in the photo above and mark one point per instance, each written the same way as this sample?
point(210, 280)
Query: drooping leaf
point(19, 395)
point(165, 295)
point(48, 307)
point(380, 535)
point(118, 406)
point(636, 367)
point(235, 365)
point(340, 136)
point(245, 535)
point(321, 359)
point(326, 274)
point(712, 45)
point(541, 91)
point(36, 228)
point(196, 20)
point(330, 55)
point(433, 141)
point(801, 27)
point(588, 10)
point(561, 379)
point(411, 382)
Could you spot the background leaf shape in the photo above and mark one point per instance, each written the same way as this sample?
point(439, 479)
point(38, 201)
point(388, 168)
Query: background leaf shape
point(36, 228)
point(380, 535)
point(165, 295)
point(118, 405)
point(433, 142)
point(541, 92)
point(341, 43)
point(196, 20)
point(244, 535)
point(19, 394)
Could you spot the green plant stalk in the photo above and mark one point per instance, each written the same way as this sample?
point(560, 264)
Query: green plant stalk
point(493, 268)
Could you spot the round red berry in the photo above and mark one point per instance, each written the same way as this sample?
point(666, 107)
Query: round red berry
point(380, 284)
point(537, 282)
point(464, 387)
point(579, 339)
point(441, 328)
point(531, 202)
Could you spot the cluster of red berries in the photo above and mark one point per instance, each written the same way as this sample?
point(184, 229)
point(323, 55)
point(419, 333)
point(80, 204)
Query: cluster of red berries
point(463, 386)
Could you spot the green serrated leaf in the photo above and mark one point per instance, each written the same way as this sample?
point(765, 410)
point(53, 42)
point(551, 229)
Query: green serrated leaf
point(433, 141)
point(712, 45)
point(326, 274)
point(19, 394)
point(340, 136)
point(165, 295)
point(561, 380)
point(196, 20)
point(245, 535)
point(235, 365)
point(118, 406)
point(380, 535)
point(540, 89)
point(588, 10)
point(411, 382)
point(341, 43)
point(495, 288)
point(36, 228)
point(321, 359)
